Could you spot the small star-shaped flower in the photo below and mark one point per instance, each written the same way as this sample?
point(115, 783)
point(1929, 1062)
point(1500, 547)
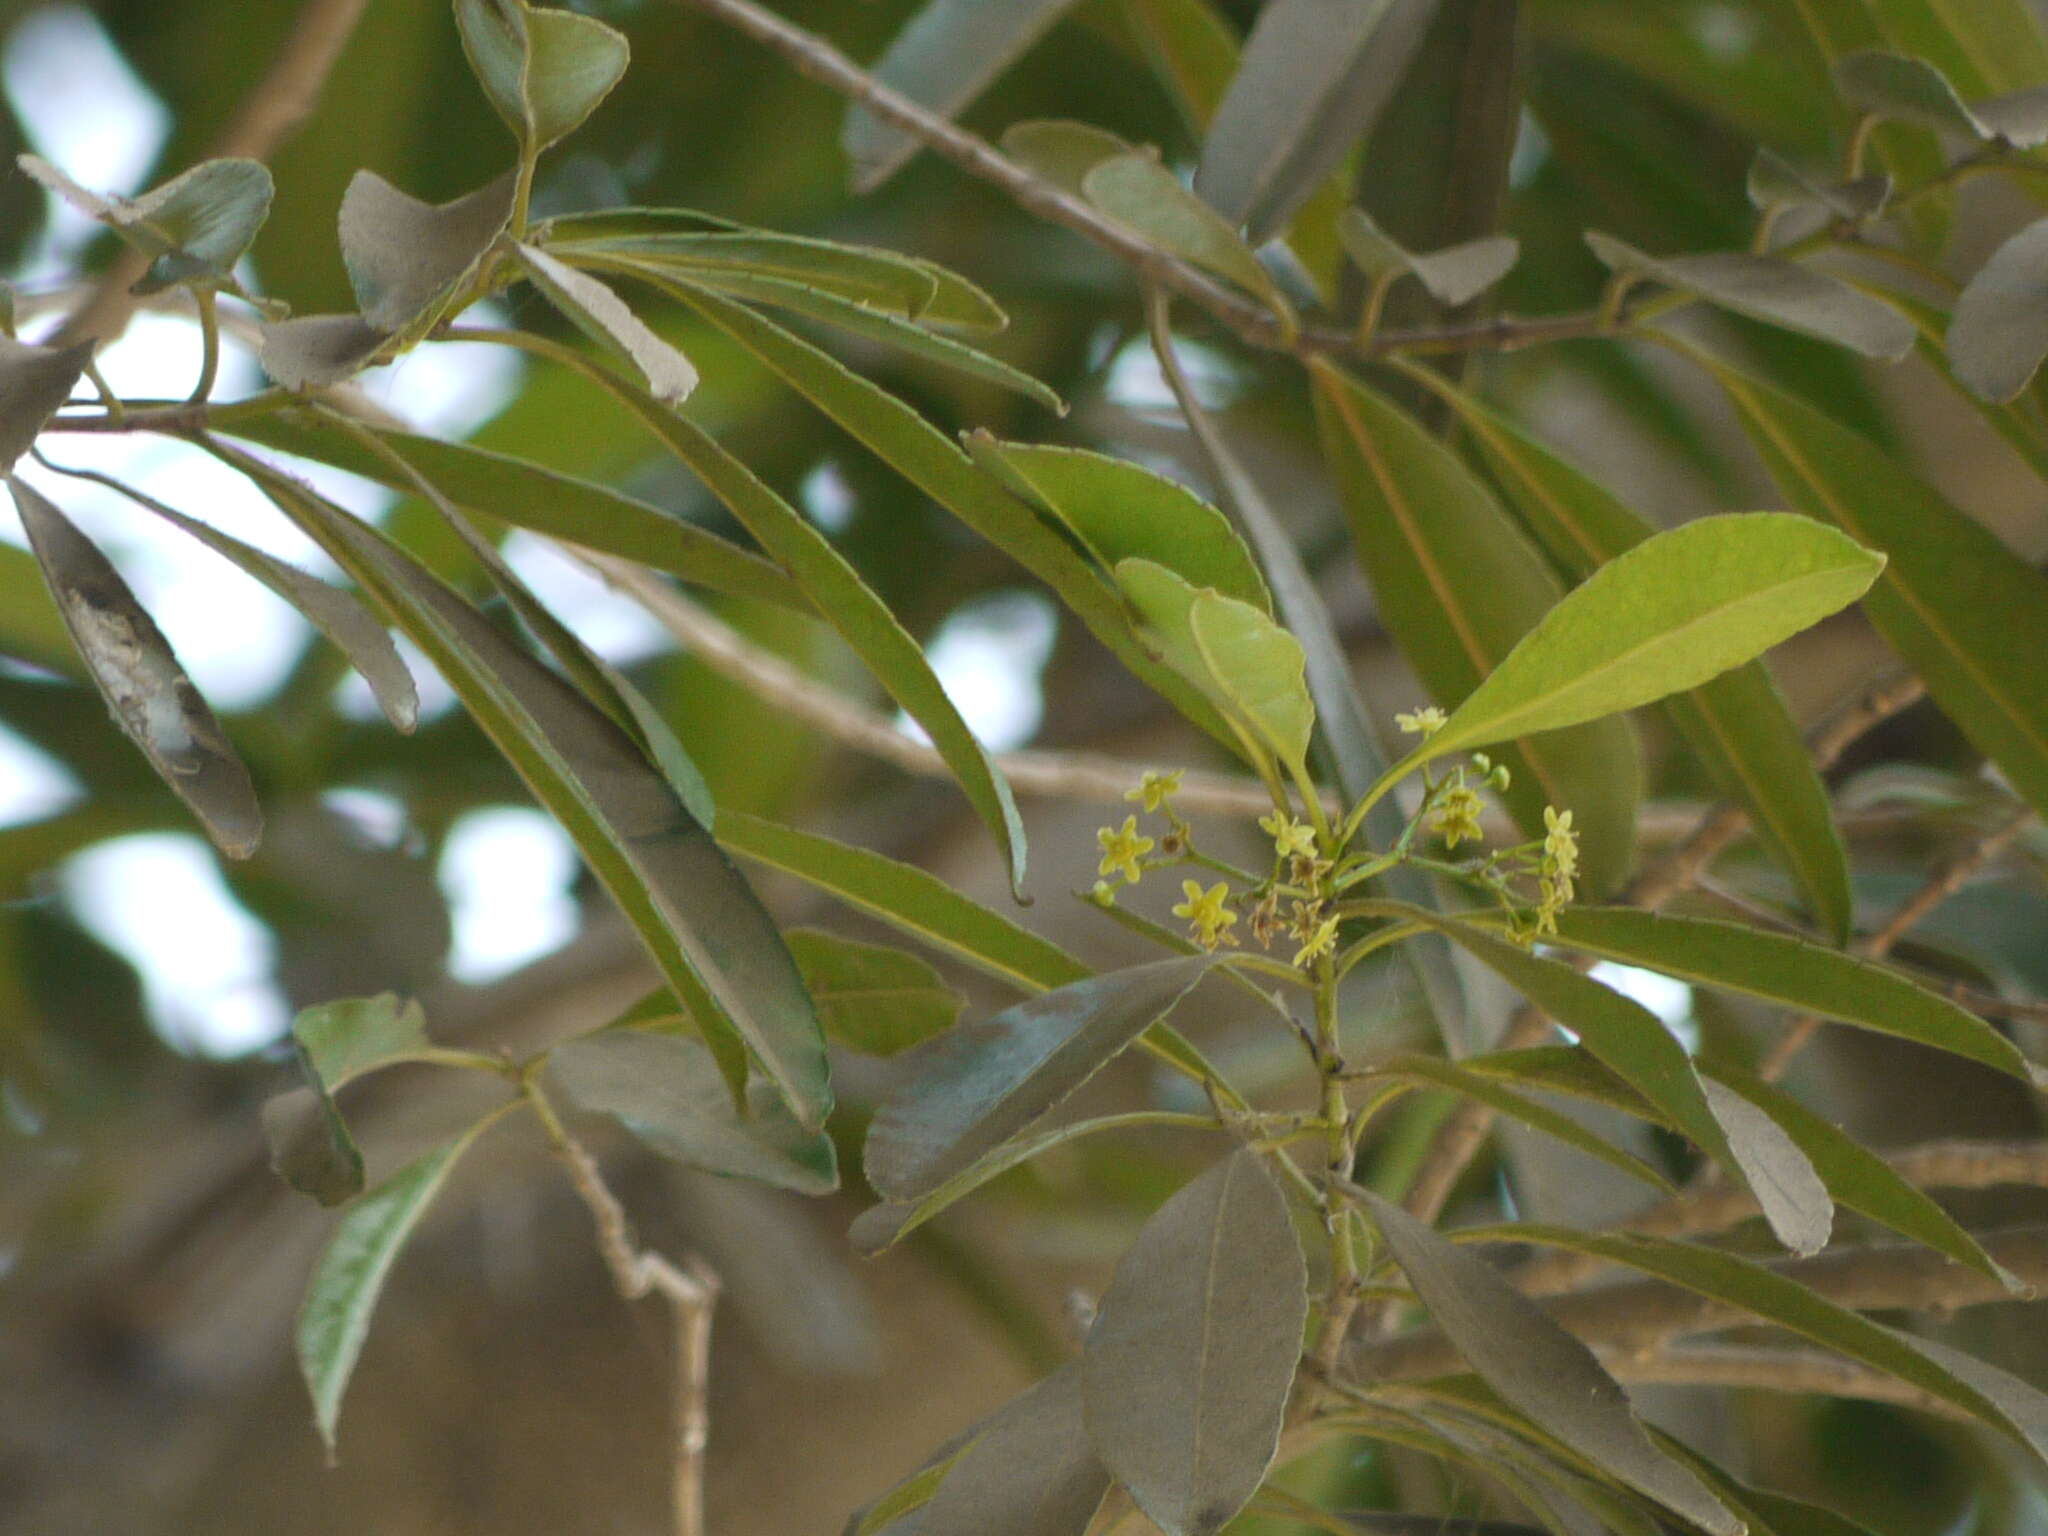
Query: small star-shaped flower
point(1122, 847)
point(1320, 942)
point(1155, 789)
point(1289, 836)
point(1424, 722)
point(1456, 816)
point(1207, 913)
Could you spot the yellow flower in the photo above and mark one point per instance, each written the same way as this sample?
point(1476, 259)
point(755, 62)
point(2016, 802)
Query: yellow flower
point(1155, 789)
point(1424, 722)
point(1122, 847)
point(1321, 942)
point(1208, 914)
point(1456, 816)
point(1289, 836)
point(1560, 848)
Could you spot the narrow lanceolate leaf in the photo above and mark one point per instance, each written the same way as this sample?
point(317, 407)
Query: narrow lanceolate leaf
point(1859, 1178)
point(1737, 723)
point(135, 671)
point(668, 1091)
point(335, 1316)
point(1677, 610)
point(530, 495)
point(1794, 1199)
point(603, 316)
point(850, 606)
point(701, 922)
point(1315, 76)
point(1539, 1368)
point(907, 898)
point(872, 998)
point(1980, 1390)
point(916, 450)
point(1135, 189)
point(355, 632)
point(1776, 291)
point(873, 278)
point(34, 382)
point(944, 59)
point(1998, 332)
point(1121, 510)
point(1458, 587)
point(1791, 973)
point(1187, 1370)
point(1969, 615)
point(976, 1086)
point(545, 70)
point(194, 227)
point(406, 259)
point(1029, 1471)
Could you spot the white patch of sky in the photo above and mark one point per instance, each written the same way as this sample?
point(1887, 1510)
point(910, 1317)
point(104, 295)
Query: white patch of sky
point(506, 872)
point(826, 497)
point(33, 784)
point(1670, 1000)
point(989, 655)
point(1135, 382)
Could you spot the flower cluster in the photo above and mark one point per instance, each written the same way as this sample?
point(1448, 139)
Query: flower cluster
point(1559, 868)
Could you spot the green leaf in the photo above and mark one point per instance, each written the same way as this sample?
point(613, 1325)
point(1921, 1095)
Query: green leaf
point(1998, 332)
point(1980, 1390)
point(1793, 1197)
point(943, 59)
point(701, 922)
point(34, 382)
point(310, 1147)
point(1455, 275)
point(547, 501)
point(139, 677)
point(913, 1493)
point(1458, 587)
point(407, 259)
point(863, 275)
point(335, 1316)
point(1791, 973)
point(318, 351)
point(872, 998)
point(1030, 1470)
point(1737, 723)
point(1969, 615)
point(1539, 1368)
point(194, 227)
point(1461, 1078)
point(907, 898)
point(1249, 666)
point(544, 70)
point(1679, 609)
point(1774, 290)
point(850, 606)
point(1061, 151)
point(1568, 1069)
point(1905, 90)
point(1859, 1178)
point(1136, 190)
point(1186, 1373)
point(669, 1092)
point(352, 1036)
point(916, 450)
point(1774, 182)
point(1120, 510)
point(1314, 78)
point(976, 1086)
point(603, 316)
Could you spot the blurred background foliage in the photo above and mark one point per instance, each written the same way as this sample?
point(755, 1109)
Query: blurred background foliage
point(148, 1267)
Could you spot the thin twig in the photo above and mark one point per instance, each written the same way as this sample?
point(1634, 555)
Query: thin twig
point(1806, 1371)
point(281, 101)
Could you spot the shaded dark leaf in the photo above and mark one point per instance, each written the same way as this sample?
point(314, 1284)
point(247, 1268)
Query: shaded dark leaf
point(1029, 1472)
point(34, 382)
point(310, 1147)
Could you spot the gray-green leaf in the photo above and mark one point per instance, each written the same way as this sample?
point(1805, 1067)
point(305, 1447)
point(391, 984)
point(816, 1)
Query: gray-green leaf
point(1135, 189)
point(406, 259)
point(603, 316)
point(1455, 275)
point(1998, 331)
point(34, 382)
point(1795, 1201)
point(1030, 1471)
point(544, 70)
point(194, 227)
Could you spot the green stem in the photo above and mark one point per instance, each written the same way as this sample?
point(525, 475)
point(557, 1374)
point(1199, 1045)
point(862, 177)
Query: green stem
point(209, 344)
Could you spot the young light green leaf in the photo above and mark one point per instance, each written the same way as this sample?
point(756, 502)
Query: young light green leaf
point(1539, 1368)
point(1998, 331)
point(194, 227)
point(1061, 151)
point(1858, 1177)
point(1121, 510)
point(1187, 1370)
point(907, 898)
point(1737, 723)
point(34, 382)
point(545, 70)
point(669, 1092)
point(1794, 1199)
point(1459, 588)
point(603, 316)
point(1679, 609)
point(1774, 182)
point(1030, 1471)
point(147, 691)
point(1968, 614)
point(976, 1086)
point(1135, 189)
point(334, 1319)
point(1454, 275)
point(1906, 90)
point(1774, 290)
point(531, 495)
point(1791, 973)
point(1315, 76)
point(872, 998)
point(352, 1036)
point(943, 59)
point(407, 259)
point(700, 921)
